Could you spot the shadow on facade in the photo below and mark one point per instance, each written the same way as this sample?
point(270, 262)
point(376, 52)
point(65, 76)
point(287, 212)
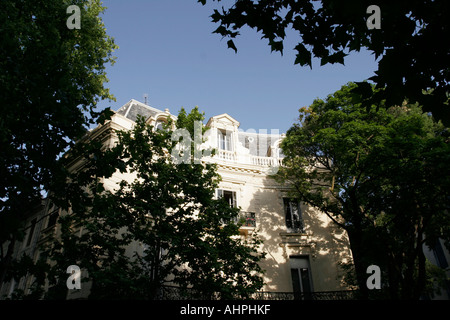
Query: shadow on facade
point(321, 242)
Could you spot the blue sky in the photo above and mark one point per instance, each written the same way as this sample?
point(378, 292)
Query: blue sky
point(168, 51)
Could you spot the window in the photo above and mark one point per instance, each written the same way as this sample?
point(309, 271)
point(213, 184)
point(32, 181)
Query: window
point(229, 196)
point(301, 278)
point(250, 219)
point(52, 218)
point(440, 255)
point(292, 212)
point(12, 287)
point(31, 233)
point(224, 140)
point(154, 258)
point(159, 125)
point(248, 142)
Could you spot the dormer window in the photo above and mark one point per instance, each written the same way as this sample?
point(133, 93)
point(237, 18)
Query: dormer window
point(160, 123)
point(224, 140)
point(248, 142)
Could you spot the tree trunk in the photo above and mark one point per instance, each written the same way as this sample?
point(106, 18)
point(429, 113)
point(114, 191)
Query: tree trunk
point(355, 238)
point(421, 278)
point(393, 275)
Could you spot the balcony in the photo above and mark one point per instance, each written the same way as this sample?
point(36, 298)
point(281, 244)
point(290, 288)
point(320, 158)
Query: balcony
point(248, 219)
point(266, 161)
point(226, 155)
point(231, 156)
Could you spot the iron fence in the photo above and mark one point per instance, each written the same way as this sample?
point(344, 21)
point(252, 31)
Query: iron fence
point(176, 293)
point(324, 295)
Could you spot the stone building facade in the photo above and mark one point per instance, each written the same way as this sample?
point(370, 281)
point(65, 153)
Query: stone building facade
point(304, 249)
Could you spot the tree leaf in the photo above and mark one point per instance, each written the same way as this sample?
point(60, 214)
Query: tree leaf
point(231, 45)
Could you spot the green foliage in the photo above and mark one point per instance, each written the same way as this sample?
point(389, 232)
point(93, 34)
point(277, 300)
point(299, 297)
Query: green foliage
point(161, 224)
point(379, 173)
point(51, 79)
point(436, 280)
point(410, 45)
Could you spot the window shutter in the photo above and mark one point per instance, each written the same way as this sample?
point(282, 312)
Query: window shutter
point(219, 139)
point(295, 281)
point(228, 141)
point(295, 215)
point(299, 222)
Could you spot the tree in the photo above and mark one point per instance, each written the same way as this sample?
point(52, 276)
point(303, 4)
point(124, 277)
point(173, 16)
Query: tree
point(163, 226)
point(409, 43)
point(51, 79)
point(382, 175)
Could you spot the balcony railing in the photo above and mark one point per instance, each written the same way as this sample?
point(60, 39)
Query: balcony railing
point(245, 219)
point(266, 161)
point(227, 155)
point(248, 219)
point(249, 159)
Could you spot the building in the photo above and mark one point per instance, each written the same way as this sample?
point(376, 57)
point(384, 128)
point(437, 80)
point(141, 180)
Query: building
point(440, 257)
point(304, 249)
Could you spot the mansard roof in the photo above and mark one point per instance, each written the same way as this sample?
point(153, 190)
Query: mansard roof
point(133, 107)
point(259, 144)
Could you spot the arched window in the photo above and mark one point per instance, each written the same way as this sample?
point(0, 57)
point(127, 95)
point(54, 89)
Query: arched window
point(161, 121)
point(159, 125)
